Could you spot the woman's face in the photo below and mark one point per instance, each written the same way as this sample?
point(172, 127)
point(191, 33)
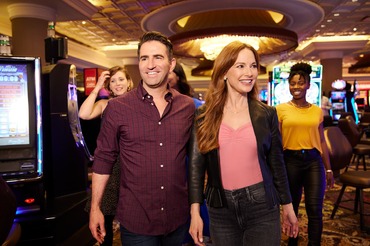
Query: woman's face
point(173, 79)
point(298, 87)
point(242, 76)
point(118, 83)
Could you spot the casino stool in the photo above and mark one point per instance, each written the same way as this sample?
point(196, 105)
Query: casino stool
point(328, 121)
point(359, 180)
point(9, 231)
point(340, 152)
point(365, 120)
point(360, 147)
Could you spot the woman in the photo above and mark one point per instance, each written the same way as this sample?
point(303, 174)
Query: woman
point(178, 81)
point(117, 81)
point(326, 104)
point(236, 140)
point(305, 151)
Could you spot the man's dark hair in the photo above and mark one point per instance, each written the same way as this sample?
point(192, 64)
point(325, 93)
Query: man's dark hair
point(156, 36)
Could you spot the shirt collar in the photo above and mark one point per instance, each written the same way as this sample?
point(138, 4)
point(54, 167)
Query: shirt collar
point(143, 94)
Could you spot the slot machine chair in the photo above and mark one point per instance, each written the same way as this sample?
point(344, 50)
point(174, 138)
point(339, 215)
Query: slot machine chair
point(365, 120)
point(360, 147)
point(10, 232)
point(340, 154)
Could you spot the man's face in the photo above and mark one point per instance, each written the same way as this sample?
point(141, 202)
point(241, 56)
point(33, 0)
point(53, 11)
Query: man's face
point(154, 64)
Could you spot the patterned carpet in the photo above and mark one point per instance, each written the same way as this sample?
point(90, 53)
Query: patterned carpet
point(343, 230)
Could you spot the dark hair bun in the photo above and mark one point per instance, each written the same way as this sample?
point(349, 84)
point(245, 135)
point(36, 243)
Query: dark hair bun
point(301, 66)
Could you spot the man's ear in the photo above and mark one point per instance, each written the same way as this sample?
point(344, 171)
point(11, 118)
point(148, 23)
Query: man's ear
point(173, 64)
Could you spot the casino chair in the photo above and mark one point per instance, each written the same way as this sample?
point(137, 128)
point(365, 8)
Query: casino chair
point(365, 121)
point(340, 154)
point(328, 121)
point(353, 133)
point(10, 232)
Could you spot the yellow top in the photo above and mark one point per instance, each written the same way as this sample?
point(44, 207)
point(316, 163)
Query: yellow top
point(300, 126)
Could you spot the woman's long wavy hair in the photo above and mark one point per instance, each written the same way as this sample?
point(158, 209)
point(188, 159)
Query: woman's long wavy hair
point(210, 119)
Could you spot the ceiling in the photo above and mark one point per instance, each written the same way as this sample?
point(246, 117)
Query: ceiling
point(114, 26)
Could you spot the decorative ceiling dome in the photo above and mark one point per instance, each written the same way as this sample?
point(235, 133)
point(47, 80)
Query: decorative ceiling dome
point(205, 34)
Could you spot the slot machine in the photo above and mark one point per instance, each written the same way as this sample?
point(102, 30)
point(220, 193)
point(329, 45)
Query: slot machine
point(339, 104)
point(43, 155)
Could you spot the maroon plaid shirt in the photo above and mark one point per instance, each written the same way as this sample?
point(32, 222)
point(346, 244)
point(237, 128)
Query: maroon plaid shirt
point(152, 150)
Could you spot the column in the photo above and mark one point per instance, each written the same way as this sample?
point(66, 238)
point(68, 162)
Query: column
point(332, 68)
point(29, 28)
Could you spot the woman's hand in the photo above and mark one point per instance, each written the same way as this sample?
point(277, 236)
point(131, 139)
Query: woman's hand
point(329, 179)
point(196, 225)
point(290, 221)
point(102, 78)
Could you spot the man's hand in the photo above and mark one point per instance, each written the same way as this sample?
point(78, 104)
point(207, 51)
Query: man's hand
point(96, 225)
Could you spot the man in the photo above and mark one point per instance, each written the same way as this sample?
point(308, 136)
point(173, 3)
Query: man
point(325, 103)
point(147, 129)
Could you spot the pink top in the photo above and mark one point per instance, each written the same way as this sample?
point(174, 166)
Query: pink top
point(238, 157)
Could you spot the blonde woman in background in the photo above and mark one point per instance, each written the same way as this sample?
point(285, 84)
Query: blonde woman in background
point(117, 82)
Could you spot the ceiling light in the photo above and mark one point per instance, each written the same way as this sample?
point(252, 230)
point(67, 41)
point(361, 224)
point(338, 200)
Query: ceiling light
point(212, 46)
point(206, 34)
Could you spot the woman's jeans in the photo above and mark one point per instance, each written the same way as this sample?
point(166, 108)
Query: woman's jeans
point(246, 221)
point(306, 172)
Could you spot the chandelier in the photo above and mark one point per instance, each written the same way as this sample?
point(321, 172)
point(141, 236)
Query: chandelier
point(204, 35)
point(212, 46)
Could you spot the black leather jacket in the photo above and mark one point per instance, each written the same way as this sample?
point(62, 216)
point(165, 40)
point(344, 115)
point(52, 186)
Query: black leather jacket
point(270, 156)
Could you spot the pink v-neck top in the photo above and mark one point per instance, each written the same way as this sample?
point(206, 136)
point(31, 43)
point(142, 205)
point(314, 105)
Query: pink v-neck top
point(238, 157)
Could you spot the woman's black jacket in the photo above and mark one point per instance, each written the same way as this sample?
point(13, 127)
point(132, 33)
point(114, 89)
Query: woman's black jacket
point(270, 156)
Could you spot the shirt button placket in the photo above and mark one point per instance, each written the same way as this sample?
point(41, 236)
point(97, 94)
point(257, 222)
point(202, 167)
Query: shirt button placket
point(161, 165)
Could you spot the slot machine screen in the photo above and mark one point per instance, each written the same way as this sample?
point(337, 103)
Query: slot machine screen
point(20, 116)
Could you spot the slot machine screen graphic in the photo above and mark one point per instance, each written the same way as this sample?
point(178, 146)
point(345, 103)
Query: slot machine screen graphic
point(14, 117)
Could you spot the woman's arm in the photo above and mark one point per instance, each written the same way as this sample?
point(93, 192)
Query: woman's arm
point(89, 109)
point(276, 159)
point(196, 186)
point(326, 159)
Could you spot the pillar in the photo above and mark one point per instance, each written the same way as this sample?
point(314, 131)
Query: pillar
point(29, 28)
point(332, 68)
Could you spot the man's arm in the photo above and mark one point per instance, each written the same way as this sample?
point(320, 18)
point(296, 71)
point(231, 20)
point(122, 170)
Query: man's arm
point(96, 224)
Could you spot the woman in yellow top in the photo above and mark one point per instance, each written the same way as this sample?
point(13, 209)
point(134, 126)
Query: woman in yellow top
point(305, 151)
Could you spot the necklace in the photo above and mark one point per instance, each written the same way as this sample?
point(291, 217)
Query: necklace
point(306, 105)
